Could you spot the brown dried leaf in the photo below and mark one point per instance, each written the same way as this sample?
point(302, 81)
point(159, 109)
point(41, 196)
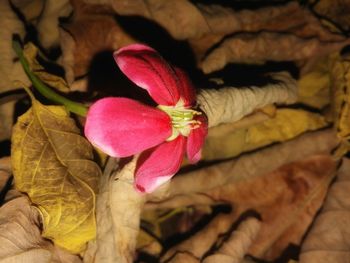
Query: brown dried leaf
point(286, 199)
point(236, 247)
point(30, 52)
point(92, 29)
point(49, 19)
point(336, 11)
point(287, 213)
point(184, 189)
point(195, 247)
point(329, 238)
point(5, 174)
point(233, 249)
point(252, 48)
point(9, 69)
point(185, 20)
point(30, 9)
point(284, 191)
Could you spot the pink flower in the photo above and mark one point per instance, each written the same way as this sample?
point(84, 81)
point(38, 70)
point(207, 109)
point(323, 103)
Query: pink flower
point(123, 127)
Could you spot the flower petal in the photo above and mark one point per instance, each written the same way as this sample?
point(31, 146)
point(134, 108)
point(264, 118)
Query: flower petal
point(122, 127)
point(196, 140)
point(187, 91)
point(157, 165)
point(147, 69)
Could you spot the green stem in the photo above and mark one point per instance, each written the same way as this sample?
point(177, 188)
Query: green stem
point(72, 106)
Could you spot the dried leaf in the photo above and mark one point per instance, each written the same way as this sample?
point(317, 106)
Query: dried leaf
point(341, 93)
point(52, 164)
point(6, 181)
point(15, 240)
point(185, 20)
point(233, 250)
point(336, 11)
point(286, 199)
point(314, 87)
point(21, 240)
point(5, 174)
point(328, 239)
point(49, 19)
point(253, 48)
point(9, 70)
point(236, 247)
point(184, 189)
point(231, 104)
point(31, 9)
point(286, 220)
point(30, 53)
point(195, 247)
point(287, 124)
point(118, 216)
point(92, 30)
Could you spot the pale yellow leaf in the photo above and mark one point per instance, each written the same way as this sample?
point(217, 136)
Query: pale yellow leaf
point(287, 124)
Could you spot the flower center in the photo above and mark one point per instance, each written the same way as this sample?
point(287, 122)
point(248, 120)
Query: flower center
point(182, 120)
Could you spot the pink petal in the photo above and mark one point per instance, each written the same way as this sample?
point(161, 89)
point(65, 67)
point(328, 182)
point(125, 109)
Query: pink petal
point(187, 91)
point(157, 165)
point(147, 69)
point(122, 127)
point(196, 140)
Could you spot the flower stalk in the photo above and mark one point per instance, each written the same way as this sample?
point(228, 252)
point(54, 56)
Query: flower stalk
point(72, 106)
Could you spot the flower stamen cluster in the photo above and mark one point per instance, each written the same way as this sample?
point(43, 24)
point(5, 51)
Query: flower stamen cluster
point(182, 119)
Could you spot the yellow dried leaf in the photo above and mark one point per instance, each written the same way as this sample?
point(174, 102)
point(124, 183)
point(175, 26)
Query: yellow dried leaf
point(314, 86)
point(30, 53)
point(287, 124)
point(53, 164)
point(341, 93)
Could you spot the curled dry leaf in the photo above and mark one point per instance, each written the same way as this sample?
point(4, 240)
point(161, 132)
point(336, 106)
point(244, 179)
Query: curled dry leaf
point(92, 30)
point(185, 190)
point(30, 9)
point(49, 19)
point(251, 48)
point(285, 125)
point(118, 216)
point(16, 240)
point(5, 174)
point(30, 52)
point(328, 239)
point(336, 11)
point(286, 199)
point(314, 86)
point(185, 20)
point(9, 69)
point(236, 247)
point(232, 250)
point(53, 164)
point(229, 104)
point(195, 247)
point(341, 95)
point(20, 238)
point(44, 15)
point(286, 221)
